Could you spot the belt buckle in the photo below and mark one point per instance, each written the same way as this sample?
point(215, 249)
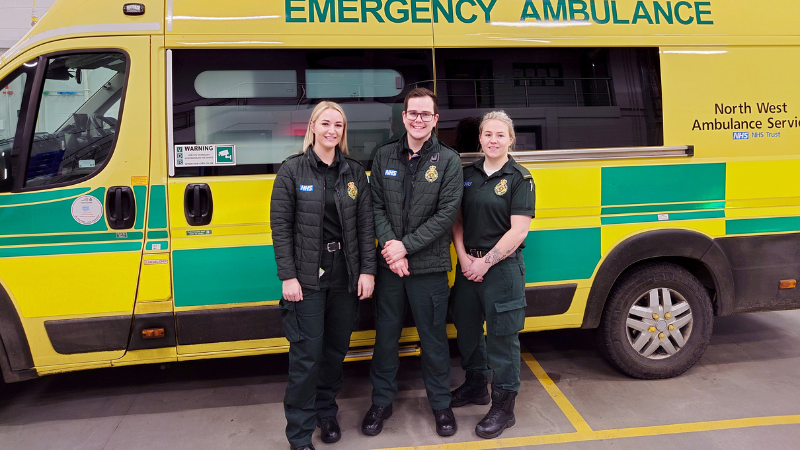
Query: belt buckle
point(475, 253)
point(333, 246)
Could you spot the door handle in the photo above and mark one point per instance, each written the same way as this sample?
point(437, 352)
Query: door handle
point(198, 204)
point(120, 207)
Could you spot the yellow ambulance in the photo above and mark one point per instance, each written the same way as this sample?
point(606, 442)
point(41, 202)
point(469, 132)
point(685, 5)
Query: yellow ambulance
point(140, 141)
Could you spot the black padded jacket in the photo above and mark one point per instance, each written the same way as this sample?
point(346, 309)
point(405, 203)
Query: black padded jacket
point(297, 209)
point(436, 190)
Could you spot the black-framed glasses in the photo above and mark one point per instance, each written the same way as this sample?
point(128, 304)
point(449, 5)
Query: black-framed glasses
point(425, 116)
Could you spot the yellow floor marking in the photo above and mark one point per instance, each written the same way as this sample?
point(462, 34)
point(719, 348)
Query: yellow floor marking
point(561, 400)
point(611, 434)
point(585, 433)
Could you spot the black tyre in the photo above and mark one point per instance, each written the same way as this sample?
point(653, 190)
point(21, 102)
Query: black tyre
point(657, 321)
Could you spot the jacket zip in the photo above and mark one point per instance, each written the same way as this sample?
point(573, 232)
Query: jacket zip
point(344, 234)
point(321, 228)
point(407, 202)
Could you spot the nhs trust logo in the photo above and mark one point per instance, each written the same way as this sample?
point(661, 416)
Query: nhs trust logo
point(741, 136)
point(390, 173)
point(307, 187)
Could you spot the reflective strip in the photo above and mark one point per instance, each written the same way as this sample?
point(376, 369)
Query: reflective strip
point(169, 15)
point(225, 18)
point(80, 29)
point(589, 154)
point(170, 132)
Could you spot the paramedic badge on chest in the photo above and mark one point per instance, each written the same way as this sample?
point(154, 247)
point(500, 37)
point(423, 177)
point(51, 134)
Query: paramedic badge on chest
point(501, 188)
point(352, 190)
point(431, 174)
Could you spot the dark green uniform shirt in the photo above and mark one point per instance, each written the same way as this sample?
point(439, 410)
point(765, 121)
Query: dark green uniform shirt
point(489, 202)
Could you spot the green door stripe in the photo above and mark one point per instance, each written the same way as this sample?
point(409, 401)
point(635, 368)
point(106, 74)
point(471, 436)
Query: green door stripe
point(140, 193)
point(557, 255)
point(70, 238)
point(663, 208)
point(70, 249)
point(48, 218)
point(157, 235)
point(217, 276)
point(158, 207)
point(673, 217)
point(642, 185)
point(770, 225)
point(38, 197)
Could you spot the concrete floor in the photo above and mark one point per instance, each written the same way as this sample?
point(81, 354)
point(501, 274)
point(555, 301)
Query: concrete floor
point(743, 394)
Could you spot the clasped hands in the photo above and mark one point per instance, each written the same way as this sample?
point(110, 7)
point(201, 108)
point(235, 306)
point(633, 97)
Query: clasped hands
point(394, 252)
point(473, 268)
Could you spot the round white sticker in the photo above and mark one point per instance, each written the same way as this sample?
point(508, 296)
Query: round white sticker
point(87, 210)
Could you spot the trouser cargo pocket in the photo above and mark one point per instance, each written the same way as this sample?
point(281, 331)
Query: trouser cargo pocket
point(291, 325)
point(509, 316)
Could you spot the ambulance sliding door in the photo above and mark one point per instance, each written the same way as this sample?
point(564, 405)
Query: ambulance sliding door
point(74, 191)
point(236, 115)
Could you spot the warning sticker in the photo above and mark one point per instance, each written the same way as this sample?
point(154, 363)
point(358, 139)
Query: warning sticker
point(87, 210)
point(205, 155)
point(152, 262)
point(138, 181)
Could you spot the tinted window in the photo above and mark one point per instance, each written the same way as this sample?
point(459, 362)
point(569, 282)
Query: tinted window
point(559, 98)
point(260, 101)
point(78, 117)
point(15, 92)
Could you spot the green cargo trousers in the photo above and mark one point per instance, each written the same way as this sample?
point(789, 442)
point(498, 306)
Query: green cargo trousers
point(500, 301)
point(427, 295)
point(318, 329)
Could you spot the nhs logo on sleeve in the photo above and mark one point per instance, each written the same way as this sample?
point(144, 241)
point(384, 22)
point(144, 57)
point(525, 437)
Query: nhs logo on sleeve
point(390, 173)
point(307, 187)
point(741, 136)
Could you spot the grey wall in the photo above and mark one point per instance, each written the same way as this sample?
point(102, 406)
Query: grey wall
point(15, 19)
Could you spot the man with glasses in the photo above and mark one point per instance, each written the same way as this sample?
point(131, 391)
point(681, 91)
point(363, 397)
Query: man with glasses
point(417, 184)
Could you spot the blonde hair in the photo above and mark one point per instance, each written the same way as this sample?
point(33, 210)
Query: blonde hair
point(318, 110)
point(502, 117)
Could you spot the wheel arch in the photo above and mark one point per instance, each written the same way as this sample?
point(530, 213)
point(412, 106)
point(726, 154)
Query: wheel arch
point(694, 251)
point(16, 361)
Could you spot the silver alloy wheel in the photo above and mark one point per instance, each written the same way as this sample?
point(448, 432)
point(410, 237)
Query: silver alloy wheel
point(659, 323)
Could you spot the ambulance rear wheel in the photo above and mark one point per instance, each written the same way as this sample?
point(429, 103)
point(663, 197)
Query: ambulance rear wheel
point(657, 321)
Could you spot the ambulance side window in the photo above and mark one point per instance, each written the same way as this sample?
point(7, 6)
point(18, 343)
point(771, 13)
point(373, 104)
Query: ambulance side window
point(558, 98)
point(260, 101)
point(14, 90)
point(78, 118)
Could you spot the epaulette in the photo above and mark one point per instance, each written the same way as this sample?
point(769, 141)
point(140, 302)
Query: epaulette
point(472, 164)
point(526, 174)
point(291, 157)
point(443, 145)
point(354, 160)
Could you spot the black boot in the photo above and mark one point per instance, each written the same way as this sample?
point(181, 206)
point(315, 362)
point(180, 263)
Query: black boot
point(445, 422)
point(372, 424)
point(500, 415)
point(304, 447)
point(329, 430)
point(472, 391)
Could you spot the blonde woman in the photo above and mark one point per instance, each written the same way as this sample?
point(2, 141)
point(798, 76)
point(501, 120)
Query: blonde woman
point(496, 213)
point(324, 241)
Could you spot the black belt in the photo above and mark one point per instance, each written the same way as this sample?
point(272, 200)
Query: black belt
point(333, 246)
point(475, 253)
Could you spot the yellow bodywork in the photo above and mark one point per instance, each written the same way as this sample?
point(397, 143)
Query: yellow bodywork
point(750, 53)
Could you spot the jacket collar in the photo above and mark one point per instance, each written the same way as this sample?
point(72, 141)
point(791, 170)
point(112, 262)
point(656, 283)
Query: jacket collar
point(402, 146)
point(338, 158)
point(508, 167)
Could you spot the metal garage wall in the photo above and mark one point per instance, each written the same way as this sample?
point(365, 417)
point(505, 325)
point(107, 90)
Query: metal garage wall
point(15, 19)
